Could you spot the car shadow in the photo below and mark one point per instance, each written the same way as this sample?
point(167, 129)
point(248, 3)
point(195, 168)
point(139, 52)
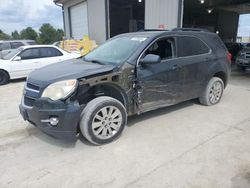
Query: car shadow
point(17, 80)
point(132, 120)
point(35, 132)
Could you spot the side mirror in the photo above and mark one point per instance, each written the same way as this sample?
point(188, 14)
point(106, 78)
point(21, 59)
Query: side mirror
point(17, 58)
point(150, 59)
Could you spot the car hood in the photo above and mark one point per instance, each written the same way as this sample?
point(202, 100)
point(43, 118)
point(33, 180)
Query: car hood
point(70, 69)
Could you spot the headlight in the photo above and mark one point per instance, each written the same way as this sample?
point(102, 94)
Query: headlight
point(60, 90)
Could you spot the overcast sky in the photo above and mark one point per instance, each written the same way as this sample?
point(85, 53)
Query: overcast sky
point(19, 14)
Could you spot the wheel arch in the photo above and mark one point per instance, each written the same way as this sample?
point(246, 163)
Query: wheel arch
point(5, 71)
point(104, 89)
point(223, 76)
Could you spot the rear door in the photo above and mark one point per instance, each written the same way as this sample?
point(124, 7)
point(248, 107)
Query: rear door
point(193, 58)
point(50, 55)
point(30, 60)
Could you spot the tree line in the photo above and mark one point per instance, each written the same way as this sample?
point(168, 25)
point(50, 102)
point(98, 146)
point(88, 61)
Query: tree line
point(47, 34)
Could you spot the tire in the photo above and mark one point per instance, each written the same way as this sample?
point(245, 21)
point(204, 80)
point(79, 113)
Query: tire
point(213, 92)
point(99, 128)
point(4, 77)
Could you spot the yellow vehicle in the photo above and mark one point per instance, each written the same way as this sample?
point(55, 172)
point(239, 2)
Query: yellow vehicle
point(83, 46)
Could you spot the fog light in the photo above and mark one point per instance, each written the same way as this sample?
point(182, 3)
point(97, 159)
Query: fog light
point(53, 121)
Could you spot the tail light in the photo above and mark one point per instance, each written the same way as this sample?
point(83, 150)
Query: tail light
point(229, 57)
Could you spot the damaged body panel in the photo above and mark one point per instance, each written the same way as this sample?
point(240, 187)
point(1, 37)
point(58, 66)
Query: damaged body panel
point(130, 74)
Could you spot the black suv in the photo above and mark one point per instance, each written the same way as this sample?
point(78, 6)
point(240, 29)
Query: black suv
point(129, 74)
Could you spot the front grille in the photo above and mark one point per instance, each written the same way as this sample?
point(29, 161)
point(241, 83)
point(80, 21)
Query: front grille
point(32, 93)
point(32, 86)
point(29, 101)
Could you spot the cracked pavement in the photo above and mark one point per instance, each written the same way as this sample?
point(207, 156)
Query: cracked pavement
point(187, 145)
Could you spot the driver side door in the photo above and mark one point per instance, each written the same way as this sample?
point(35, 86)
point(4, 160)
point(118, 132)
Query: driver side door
point(30, 60)
point(159, 84)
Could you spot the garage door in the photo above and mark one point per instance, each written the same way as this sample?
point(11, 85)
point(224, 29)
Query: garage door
point(79, 20)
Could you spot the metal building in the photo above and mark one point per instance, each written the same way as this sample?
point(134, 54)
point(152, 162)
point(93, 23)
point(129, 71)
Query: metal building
point(102, 19)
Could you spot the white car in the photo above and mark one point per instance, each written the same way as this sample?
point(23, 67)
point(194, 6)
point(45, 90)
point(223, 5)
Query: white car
point(20, 62)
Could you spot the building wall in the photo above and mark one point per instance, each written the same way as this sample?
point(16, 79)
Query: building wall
point(228, 25)
point(162, 14)
point(96, 17)
point(97, 20)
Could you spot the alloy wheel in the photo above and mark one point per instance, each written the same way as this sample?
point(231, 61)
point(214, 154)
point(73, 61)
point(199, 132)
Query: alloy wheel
point(107, 122)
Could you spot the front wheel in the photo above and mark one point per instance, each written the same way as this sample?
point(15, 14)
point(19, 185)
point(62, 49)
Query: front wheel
point(4, 77)
point(213, 92)
point(103, 120)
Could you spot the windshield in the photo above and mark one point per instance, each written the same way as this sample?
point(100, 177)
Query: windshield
point(115, 51)
point(12, 54)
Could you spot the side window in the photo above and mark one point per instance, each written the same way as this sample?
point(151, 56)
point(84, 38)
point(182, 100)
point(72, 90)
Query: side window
point(32, 53)
point(15, 45)
point(165, 48)
point(190, 46)
point(4, 46)
point(49, 52)
point(31, 43)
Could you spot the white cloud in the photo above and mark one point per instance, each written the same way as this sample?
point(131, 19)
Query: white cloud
point(19, 14)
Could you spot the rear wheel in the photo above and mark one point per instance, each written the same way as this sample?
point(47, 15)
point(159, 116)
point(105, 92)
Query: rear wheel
point(103, 120)
point(213, 92)
point(4, 77)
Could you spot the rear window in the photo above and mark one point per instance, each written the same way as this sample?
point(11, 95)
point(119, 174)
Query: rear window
point(4, 46)
point(190, 46)
point(50, 52)
point(32, 43)
point(15, 45)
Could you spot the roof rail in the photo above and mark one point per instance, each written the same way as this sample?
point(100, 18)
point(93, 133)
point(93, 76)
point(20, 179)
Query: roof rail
point(190, 29)
point(155, 30)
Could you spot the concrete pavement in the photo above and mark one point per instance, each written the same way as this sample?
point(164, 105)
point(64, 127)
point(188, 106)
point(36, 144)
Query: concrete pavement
point(187, 145)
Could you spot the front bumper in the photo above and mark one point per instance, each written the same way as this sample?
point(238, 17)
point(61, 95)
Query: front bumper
point(43, 109)
point(243, 62)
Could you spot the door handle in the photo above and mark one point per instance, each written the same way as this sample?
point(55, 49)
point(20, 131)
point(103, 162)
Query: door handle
point(175, 67)
point(36, 62)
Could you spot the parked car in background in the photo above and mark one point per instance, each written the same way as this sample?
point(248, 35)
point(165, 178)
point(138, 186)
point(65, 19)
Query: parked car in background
point(243, 58)
point(20, 62)
point(7, 46)
point(129, 74)
point(234, 48)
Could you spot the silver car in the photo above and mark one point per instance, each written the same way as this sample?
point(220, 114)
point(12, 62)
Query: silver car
point(243, 58)
point(8, 46)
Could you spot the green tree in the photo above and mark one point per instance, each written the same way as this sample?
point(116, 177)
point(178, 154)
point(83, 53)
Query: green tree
point(15, 35)
point(59, 34)
point(3, 36)
point(28, 33)
point(47, 34)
